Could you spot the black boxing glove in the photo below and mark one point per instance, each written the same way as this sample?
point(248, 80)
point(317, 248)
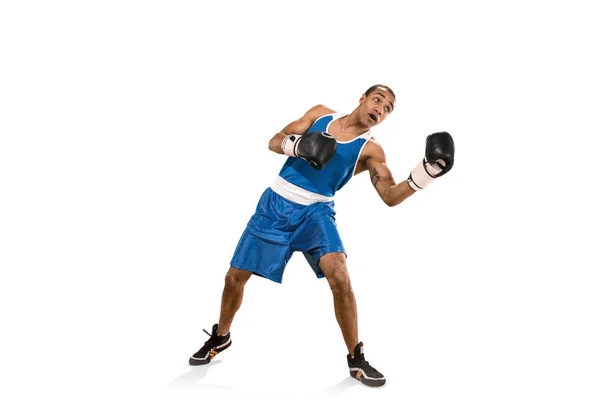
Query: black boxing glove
point(315, 147)
point(439, 159)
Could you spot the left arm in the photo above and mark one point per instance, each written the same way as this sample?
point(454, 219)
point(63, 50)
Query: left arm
point(439, 159)
point(391, 193)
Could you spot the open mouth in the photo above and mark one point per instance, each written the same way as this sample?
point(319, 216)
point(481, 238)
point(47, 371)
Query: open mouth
point(373, 117)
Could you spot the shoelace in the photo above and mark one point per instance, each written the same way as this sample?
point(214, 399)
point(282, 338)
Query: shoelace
point(210, 342)
point(365, 364)
point(367, 367)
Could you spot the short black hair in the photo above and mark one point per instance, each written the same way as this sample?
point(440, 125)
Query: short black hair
point(389, 89)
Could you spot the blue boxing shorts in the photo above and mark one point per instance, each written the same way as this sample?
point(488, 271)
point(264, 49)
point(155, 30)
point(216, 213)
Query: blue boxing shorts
point(278, 228)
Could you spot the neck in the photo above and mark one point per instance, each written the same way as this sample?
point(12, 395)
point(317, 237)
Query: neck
point(350, 124)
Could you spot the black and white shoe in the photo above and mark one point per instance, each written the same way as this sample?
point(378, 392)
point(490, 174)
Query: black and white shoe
point(361, 370)
point(213, 346)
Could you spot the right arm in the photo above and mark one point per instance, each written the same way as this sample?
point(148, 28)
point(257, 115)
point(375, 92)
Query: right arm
point(298, 127)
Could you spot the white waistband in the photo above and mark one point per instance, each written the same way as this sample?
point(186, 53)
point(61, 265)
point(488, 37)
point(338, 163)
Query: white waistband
point(296, 193)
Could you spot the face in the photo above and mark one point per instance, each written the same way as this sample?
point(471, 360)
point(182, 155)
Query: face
point(376, 107)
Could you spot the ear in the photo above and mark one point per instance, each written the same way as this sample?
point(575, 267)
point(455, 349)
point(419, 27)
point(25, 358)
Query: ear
point(362, 98)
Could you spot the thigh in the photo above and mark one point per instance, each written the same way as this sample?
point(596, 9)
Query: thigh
point(316, 236)
point(264, 247)
point(261, 256)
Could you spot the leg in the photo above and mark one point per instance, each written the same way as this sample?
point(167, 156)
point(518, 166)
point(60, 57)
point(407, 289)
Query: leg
point(334, 268)
point(233, 293)
point(254, 253)
point(220, 339)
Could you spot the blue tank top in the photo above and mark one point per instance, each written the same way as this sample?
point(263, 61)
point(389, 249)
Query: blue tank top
point(336, 173)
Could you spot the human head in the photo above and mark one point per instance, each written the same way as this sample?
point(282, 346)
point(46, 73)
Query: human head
point(376, 104)
point(384, 87)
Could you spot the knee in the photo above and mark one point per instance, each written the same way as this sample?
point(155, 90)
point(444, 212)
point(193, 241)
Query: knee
point(235, 279)
point(338, 278)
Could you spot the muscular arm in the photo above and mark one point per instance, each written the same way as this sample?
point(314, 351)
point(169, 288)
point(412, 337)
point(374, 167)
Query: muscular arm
point(381, 177)
point(298, 127)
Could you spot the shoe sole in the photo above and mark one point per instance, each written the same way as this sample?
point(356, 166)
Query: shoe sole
point(213, 352)
point(358, 375)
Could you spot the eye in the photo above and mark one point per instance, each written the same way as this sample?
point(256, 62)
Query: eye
point(387, 109)
point(377, 100)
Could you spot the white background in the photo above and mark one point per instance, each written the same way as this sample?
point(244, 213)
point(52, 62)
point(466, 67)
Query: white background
point(133, 151)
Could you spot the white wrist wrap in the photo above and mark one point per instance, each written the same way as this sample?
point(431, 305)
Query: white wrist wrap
point(422, 175)
point(289, 145)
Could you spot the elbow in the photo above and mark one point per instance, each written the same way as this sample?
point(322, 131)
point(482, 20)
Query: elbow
point(391, 203)
point(394, 201)
point(275, 143)
point(272, 145)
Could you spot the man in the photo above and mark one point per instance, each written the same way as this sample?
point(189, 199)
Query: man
point(325, 149)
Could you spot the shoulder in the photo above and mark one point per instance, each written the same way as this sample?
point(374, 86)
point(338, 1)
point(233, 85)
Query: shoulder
point(373, 149)
point(372, 154)
point(318, 111)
